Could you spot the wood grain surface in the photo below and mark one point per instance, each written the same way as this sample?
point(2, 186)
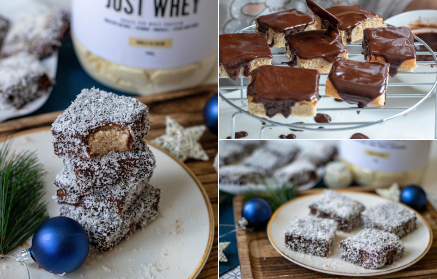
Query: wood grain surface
point(186, 108)
point(259, 260)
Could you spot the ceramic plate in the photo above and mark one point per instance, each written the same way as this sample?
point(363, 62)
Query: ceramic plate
point(175, 245)
point(416, 243)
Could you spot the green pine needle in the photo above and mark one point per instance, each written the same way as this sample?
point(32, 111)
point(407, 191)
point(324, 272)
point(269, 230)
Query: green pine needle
point(275, 196)
point(21, 191)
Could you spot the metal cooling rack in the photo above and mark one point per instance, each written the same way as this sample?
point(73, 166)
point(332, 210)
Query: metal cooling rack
point(355, 49)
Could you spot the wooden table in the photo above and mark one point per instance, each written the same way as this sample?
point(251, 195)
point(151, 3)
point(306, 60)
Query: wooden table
point(186, 108)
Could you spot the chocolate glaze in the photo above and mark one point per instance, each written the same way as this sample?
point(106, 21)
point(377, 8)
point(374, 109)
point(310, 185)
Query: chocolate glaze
point(321, 127)
point(280, 88)
point(395, 44)
point(239, 135)
point(289, 136)
point(323, 43)
point(359, 136)
point(351, 16)
point(238, 50)
point(322, 118)
point(338, 100)
point(289, 21)
point(430, 39)
point(359, 82)
point(294, 130)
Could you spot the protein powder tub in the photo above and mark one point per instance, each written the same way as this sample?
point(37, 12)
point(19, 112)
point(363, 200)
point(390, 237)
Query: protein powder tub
point(146, 46)
point(384, 162)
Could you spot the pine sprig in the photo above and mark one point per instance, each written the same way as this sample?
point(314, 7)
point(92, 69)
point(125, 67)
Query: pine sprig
point(276, 195)
point(21, 190)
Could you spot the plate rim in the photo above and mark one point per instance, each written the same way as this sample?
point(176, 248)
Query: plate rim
point(272, 242)
point(209, 244)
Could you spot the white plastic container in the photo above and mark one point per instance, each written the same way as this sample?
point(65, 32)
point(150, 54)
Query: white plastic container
point(382, 163)
point(145, 47)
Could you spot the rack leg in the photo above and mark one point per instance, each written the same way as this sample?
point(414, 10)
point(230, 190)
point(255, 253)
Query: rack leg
point(261, 131)
point(233, 123)
point(435, 115)
point(241, 91)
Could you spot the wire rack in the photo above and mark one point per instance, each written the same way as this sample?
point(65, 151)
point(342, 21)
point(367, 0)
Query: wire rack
point(354, 49)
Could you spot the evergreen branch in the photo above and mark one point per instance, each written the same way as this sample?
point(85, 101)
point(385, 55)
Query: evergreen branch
point(21, 190)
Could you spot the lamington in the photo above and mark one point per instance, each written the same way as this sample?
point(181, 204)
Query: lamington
point(97, 123)
point(39, 33)
point(276, 90)
point(390, 217)
point(240, 175)
point(22, 79)
point(340, 208)
point(317, 49)
point(105, 233)
point(4, 27)
point(311, 235)
point(276, 26)
point(354, 19)
point(297, 173)
point(110, 169)
point(241, 53)
point(108, 201)
point(230, 152)
point(360, 83)
point(319, 154)
point(393, 45)
point(371, 248)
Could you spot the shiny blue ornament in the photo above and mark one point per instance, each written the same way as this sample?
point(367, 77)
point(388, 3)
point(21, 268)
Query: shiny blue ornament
point(60, 245)
point(210, 114)
point(257, 212)
point(414, 196)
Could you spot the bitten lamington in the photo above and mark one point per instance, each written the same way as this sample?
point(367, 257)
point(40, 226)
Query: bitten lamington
point(390, 217)
point(276, 26)
point(311, 235)
point(97, 123)
point(371, 248)
point(22, 79)
point(344, 210)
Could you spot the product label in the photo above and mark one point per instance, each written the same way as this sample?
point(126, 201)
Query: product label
point(147, 34)
point(385, 155)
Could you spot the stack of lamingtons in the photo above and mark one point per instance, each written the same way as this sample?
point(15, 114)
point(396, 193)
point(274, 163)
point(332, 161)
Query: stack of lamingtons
point(107, 166)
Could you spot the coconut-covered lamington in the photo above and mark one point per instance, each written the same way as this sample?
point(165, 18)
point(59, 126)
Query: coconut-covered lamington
point(311, 235)
point(22, 79)
point(344, 210)
point(297, 173)
point(241, 53)
point(276, 26)
point(371, 248)
point(393, 45)
point(319, 154)
point(39, 33)
point(230, 152)
point(97, 123)
point(240, 175)
point(110, 169)
point(4, 27)
point(390, 217)
point(105, 233)
point(354, 19)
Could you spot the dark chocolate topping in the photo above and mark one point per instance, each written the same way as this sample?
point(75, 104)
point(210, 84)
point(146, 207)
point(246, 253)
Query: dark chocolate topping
point(359, 136)
point(350, 16)
point(239, 135)
point(289, 136)
point(333, 21)
point(238, 50)
point(280, 88)
point(359, 82)
point(395, 44)
point(322, 118)
point(430, 39)
point(292, 21)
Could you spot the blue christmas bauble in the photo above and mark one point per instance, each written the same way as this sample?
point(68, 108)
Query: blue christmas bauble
point(414, 196)
point(210, 114)
point(257, 212)
point(60, 245)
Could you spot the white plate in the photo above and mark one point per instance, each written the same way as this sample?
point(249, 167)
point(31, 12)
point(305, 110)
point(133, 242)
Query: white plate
point(14, 10)
point(416, 244)
point(175, 245)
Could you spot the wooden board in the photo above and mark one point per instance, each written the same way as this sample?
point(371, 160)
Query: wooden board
point(259, 260)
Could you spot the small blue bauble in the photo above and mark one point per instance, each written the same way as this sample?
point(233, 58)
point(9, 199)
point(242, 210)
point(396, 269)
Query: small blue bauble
point(414, 196)
point(60, 245)
point(210, 114)
point(257, 212)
